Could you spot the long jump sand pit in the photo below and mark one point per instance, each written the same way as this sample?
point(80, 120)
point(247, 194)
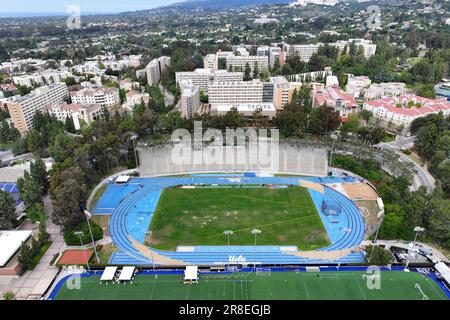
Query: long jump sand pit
point(361, 191)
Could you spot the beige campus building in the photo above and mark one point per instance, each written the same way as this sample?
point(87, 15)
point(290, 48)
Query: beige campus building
point(23, 110)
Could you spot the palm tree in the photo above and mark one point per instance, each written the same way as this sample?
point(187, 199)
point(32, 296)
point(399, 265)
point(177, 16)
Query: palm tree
point(9, 295)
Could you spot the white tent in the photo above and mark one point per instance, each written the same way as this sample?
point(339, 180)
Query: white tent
point(444, 271)
point(108, 274)
point(122, 179)
point(127, 274)
point(191, 274)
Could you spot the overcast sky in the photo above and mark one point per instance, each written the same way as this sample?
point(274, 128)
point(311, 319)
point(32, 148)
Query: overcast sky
point(86, 6)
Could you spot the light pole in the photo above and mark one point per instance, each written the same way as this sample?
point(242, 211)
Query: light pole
point(133, 138)
point(410, 246)
point(88, 217)
point(255, 232)
point(228, 233)
point(376, 235)
point(417, 230)
point(150, 234)
point(80, 234)
point(334, 137)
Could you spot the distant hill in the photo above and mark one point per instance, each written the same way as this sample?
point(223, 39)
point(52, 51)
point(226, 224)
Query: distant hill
point(220, 4)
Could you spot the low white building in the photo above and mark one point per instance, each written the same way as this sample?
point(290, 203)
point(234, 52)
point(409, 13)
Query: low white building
point(203, 78)
point(385, 90)
point(246, 109)
point(129, 85)
point(105, 97)
point(133, 98)
point(332, 81)
point(357, 85)
point(86, 113)
point(369, 48)
point(403, 110)
point(10, 242)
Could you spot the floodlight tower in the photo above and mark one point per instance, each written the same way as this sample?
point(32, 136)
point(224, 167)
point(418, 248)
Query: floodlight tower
point(88, 217)
point(133, 138)
point(228, 233)
point(80, 234)
point(255, 232)
point(334, 137)
point(410, 246)
point(417, 230)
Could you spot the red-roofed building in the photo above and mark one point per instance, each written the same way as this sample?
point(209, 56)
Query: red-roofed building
point(403, 110)
point(343, 102)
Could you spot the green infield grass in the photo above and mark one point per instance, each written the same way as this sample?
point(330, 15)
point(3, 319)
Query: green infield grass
point(200, 216)
point(348, 285)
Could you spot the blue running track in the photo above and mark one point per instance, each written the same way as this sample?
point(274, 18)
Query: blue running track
point(132, 206)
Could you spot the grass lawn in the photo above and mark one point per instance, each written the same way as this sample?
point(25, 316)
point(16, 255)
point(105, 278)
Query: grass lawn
point(200, 216)
point(40, 254)
point(348, 285)
point(105, 253)
point(98, 195)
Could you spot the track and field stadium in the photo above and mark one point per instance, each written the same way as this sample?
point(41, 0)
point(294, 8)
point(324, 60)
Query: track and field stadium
point(252, 235)
point(303, 220)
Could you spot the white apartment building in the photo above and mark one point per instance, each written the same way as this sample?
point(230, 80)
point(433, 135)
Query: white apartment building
point(224, 75)
point(43, 78)
point(403, 110)
point(155, 69)
point(264, 19)
point(199, 77)
point(86, 113)
point(153, 72)
point(276, 53)
point(239, 62)
point(129, 85)
point(304, 51)
point(369, 48)
point(210, 62)
point(283, 91)
point(235, 92)
point(190, 99)
point(332, 81)
point(202, 78)
point(105, 97)
point(28, 80)
point(357, 85)
point(385, 90)
point(311, 76)
point(263, 51)
point(23, 110)
point(247, 109)
point(133, 98)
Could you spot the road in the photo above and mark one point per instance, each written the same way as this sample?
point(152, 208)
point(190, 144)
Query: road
point(422, 176)
point(6, 157)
